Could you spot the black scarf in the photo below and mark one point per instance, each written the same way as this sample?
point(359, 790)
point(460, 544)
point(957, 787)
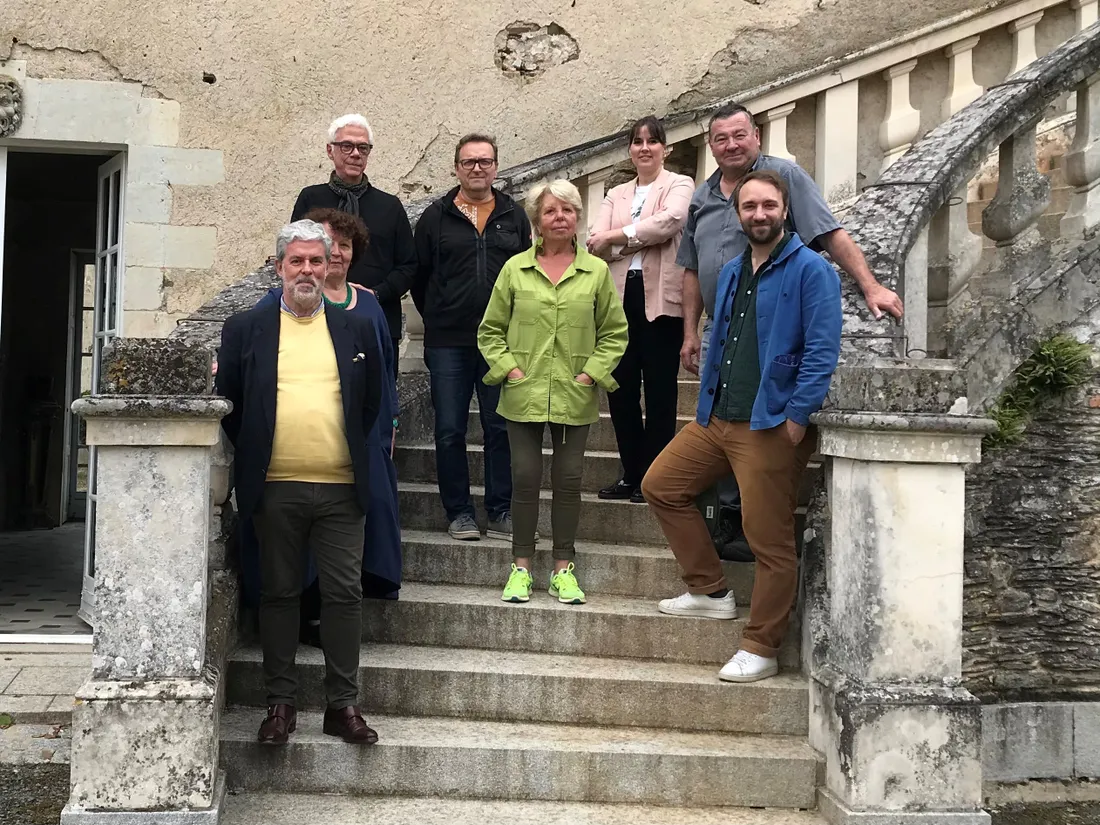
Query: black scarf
point(349, 195)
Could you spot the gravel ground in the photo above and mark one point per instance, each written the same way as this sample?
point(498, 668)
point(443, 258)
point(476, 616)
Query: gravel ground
point(1080, 813)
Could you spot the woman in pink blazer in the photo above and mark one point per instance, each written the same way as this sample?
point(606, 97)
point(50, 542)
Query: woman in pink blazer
point(637, 231)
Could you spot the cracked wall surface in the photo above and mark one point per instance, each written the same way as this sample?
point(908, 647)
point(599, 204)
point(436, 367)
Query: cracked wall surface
point(261, 82)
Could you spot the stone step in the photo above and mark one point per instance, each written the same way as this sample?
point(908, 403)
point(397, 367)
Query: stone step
point(687, 397)
point(602, 521)
point(611, 569)
point(405, 680)
point(416, 463)
point(601, 435)
point(296, 809)
point(614, 626)
point(514, 761)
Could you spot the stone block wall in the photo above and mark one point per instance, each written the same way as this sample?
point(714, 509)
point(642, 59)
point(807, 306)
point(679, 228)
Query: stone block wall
point(1032, 602)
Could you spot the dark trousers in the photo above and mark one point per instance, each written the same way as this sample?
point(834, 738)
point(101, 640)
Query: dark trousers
point(456, 372)
point(326, 519)
point(565, 482)
point(396, 355)
point(652, 358)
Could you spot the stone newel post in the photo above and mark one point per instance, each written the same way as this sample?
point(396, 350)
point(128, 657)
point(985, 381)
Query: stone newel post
point(901, 736)
point(145, 731)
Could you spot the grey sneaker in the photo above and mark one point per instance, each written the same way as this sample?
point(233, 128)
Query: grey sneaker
point(502, 528)
point(464, 528)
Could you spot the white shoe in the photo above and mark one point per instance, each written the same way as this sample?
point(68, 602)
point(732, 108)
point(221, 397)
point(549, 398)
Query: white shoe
point(703, 607)
point(748, 667)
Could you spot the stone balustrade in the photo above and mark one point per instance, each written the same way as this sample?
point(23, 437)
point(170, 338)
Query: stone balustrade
point(850, 122)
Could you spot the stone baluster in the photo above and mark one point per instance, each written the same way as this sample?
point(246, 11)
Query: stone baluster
point(837, 142)
point(705, 164)
point(954, 250)
point(592, 191)
point(901, 736)
point(774, 126)
point(915, 295)
point(1011, 218)
point(1023, 41)
point(412, 353)
point(1083, 163)
point(145, 726)
point(1084, 13)
point(902, 122)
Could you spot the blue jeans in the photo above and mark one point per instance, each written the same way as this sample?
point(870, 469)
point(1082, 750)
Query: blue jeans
point(455, 373)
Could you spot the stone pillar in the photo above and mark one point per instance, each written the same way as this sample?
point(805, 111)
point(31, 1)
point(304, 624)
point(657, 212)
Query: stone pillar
point(902, 122)
point(954, 251)
point(1011, 218)
point(1083, 163)
point(774, 124)
point(412, 355)
point(902, 737)
point(838, 142)
point(1023, 41)
point(705, 164)
point(145, 726)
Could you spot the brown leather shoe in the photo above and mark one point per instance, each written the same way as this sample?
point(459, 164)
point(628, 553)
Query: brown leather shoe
point(348, 724)
point(280, 723)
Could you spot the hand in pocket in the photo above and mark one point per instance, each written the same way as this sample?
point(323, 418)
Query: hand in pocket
point(795, 432)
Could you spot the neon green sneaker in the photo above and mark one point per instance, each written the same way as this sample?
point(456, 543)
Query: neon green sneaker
point(564, 587)
point(518, 588)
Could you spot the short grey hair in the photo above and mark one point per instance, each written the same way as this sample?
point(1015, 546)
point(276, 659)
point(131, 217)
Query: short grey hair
point(350, 120)
point(561, 189)
point(301, 231)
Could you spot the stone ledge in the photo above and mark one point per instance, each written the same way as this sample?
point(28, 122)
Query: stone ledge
point(152, 406)
point(72, 815)
point(890, 385)
point(963, 425)
point(1025, 741)
point(156, 367)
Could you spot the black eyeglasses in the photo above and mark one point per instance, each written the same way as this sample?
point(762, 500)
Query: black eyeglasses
point(346, 147)
point(485, 163)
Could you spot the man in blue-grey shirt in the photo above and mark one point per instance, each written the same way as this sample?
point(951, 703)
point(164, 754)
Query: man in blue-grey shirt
point(713, 235)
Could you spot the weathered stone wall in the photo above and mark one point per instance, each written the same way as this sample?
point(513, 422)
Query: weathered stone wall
point(261, 82)
point(1032, 604)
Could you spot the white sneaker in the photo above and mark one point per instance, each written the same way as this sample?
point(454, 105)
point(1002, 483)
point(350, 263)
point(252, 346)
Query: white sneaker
point(703, 607)
point(748, 667)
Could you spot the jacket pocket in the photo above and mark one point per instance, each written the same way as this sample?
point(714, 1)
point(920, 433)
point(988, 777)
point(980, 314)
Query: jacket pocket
point(581, 317)
point(506, 238)
point(782, 379)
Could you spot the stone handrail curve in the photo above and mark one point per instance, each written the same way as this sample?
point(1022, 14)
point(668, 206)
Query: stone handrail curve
point(888, 217)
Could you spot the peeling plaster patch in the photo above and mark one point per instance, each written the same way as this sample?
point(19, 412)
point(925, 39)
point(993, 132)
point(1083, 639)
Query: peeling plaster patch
point(528, 49)
point(434, 164)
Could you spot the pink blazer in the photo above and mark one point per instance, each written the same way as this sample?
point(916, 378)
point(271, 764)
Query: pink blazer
point(659, 229)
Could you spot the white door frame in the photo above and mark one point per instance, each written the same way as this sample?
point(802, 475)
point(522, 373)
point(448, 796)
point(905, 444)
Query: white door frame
point(107, 312)
point(79, 259)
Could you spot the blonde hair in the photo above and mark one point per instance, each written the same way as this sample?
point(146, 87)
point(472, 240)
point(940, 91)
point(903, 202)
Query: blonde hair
point(561, 189)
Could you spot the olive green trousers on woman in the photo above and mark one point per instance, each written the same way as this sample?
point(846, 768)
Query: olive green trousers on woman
point(566, 468)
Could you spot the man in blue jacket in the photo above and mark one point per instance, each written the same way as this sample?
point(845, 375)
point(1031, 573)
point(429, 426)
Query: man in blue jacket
point(774, 345)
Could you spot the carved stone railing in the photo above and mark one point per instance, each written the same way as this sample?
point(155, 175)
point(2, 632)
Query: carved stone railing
point(891, 221)
point(950, 252)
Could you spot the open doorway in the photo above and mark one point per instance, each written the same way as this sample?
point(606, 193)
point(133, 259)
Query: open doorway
point(47, 346)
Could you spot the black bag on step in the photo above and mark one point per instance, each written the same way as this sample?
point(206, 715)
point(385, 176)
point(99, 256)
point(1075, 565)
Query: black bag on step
point(721, 509)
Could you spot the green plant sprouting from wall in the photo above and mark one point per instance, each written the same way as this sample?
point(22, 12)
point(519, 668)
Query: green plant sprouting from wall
point(1054, 367)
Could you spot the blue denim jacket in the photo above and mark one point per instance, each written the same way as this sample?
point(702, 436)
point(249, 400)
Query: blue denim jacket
point(798, 321)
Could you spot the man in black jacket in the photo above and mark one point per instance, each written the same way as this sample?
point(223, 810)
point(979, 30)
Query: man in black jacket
point(306, 387)
point(462, 241)
point(389, 264)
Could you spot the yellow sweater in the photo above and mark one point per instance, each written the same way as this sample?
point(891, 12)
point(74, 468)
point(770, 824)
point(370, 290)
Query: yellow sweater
point(310, 441)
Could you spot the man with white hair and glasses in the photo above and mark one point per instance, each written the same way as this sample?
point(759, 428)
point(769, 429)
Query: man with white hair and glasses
point(389, 264)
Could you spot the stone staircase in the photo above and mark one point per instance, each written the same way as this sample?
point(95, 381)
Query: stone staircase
point(605, 713)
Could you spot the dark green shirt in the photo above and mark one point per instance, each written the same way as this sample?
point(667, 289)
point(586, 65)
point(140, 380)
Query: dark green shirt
point(739, 370)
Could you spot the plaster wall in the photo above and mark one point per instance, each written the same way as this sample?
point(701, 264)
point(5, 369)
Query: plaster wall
point(261, 82)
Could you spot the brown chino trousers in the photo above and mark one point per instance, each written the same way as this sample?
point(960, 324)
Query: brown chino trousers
point(768, 469)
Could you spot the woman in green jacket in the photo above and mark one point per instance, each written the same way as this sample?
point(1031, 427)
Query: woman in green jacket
point(553, 331)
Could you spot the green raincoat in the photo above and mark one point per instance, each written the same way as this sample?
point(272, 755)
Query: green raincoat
point(553, 333)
